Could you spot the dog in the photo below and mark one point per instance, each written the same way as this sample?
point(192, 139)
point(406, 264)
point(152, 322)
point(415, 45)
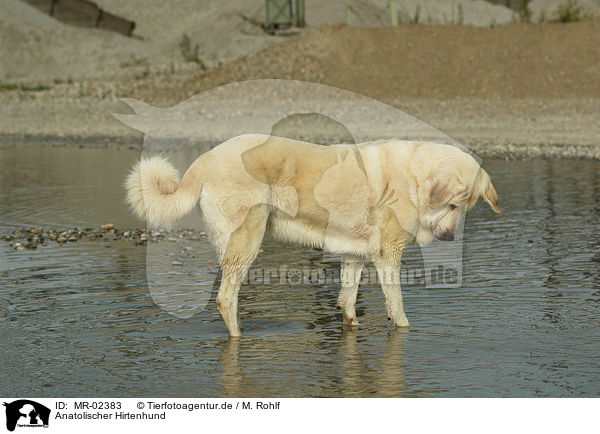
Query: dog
point(366, 201)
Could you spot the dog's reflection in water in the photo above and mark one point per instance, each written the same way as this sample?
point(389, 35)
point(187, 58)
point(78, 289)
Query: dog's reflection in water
point(361, 377)
point(358, 376)
point(233, 377)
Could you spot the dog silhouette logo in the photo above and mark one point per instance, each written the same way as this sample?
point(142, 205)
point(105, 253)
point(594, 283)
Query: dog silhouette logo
point(26, 413)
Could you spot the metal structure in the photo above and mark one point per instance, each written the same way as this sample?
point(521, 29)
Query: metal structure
point(281, 14)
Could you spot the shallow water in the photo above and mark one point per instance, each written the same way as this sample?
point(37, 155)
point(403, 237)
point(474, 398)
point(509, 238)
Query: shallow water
point(81, 320)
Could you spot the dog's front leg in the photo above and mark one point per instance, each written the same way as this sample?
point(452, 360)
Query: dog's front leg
point(350, 277)
point(392, 241)
point(388, 270)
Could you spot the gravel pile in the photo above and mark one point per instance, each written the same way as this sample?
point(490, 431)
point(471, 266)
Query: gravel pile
point(31, 238)
point(514, 61)
point(33, 46)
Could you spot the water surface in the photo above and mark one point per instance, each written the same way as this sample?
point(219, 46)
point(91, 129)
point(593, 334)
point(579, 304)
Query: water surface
point(81, 320)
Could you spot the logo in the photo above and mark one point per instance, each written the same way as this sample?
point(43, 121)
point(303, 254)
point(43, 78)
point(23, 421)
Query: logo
point(26, 413)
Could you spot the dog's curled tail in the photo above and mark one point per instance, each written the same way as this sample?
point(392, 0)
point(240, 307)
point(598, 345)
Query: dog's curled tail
point(155, 194)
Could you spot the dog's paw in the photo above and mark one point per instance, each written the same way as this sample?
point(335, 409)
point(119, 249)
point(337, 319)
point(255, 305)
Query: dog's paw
point(400, 322)
point(350, 320)
point(403, 322)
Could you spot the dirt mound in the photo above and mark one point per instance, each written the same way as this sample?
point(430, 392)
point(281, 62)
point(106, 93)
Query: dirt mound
point(224, 31)
point(36, 47)
point(515, 61)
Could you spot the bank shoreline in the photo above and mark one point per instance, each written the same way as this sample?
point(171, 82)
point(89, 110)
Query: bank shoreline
point(508, 151)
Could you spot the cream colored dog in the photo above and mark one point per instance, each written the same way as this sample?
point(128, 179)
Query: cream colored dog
point(367, 201)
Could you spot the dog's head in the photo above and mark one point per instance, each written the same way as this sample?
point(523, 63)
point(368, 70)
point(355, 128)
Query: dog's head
point(452, 187)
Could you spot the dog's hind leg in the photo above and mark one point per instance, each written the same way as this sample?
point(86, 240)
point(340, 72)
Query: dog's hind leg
point(241, 251)
point(350, 277)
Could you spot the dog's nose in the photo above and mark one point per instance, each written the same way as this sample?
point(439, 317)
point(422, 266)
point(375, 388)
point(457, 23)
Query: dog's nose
point(446, 236)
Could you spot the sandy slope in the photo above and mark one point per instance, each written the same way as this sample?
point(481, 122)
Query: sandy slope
point(517, 89)
point(514, 61)
point(33, 46)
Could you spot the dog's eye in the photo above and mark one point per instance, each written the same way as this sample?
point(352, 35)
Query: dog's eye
point(452, 207)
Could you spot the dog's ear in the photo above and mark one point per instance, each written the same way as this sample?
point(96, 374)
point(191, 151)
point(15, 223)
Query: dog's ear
point(443, 188)
point(491, 197)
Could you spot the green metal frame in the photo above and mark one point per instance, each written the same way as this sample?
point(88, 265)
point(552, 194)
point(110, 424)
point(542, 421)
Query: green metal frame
point(279, 14)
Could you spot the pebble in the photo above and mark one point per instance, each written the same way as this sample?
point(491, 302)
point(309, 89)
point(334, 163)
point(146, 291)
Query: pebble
point(33, 237)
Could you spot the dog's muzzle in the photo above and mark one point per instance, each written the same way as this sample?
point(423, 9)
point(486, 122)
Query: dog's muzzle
point(446, 236)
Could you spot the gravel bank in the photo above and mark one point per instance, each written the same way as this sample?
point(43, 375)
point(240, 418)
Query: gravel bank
point(567, 128)
point(32, 238)
point(515, 91)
